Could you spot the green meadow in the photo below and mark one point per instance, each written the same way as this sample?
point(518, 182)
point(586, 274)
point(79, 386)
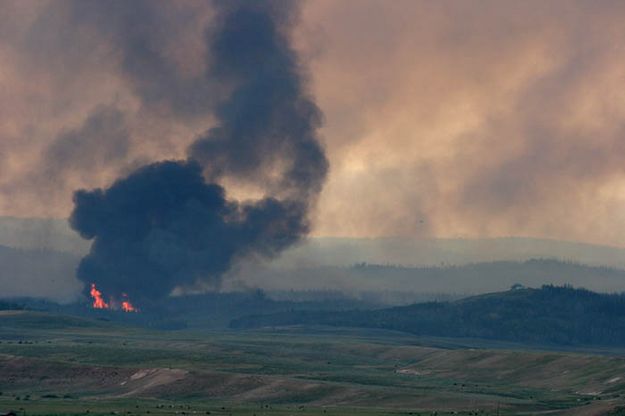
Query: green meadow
point(63, 365)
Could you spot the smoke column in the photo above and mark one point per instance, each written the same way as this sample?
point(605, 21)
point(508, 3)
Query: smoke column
point(170, 223)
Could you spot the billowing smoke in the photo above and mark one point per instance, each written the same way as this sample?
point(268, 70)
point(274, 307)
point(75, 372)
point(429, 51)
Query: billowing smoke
point(170, 223)
point(267, 126)
point(165, 226)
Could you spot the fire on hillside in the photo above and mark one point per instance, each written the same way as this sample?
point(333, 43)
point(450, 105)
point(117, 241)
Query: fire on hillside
point(99, 303)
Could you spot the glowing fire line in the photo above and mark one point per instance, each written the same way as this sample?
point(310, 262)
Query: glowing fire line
point(100, 303)
point(126, 305)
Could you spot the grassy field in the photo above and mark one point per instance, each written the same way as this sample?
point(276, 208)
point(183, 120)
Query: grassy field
point(64, 365)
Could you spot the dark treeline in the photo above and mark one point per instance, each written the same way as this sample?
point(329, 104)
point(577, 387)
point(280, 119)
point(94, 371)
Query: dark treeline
point(216, 310)
point(10, 306)
point(549, 315)
point(373, 298)
point(212, 310)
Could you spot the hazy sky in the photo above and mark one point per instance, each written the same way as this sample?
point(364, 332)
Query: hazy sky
point(442, 119)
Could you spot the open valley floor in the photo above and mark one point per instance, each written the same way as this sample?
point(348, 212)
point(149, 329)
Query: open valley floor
point(62, 365)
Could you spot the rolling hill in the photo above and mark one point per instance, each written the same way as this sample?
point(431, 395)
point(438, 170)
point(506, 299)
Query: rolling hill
point(549, 315)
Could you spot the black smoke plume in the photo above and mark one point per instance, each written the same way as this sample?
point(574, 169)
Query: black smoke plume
point(268, 123)
point(170, 223)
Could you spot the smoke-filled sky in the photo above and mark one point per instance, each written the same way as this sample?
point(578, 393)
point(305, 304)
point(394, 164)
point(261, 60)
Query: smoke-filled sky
point(441, 119)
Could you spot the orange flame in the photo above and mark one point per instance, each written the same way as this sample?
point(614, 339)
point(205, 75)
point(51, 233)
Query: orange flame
point(98, 301)
point(126, 305)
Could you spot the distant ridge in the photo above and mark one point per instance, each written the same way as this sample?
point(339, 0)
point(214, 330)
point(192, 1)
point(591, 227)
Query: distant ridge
point(437, 252)
point(55, 234)
point(401, 282)
point(40, 255)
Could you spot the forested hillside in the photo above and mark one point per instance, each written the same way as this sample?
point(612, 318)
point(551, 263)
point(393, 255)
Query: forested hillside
point(549, 315)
